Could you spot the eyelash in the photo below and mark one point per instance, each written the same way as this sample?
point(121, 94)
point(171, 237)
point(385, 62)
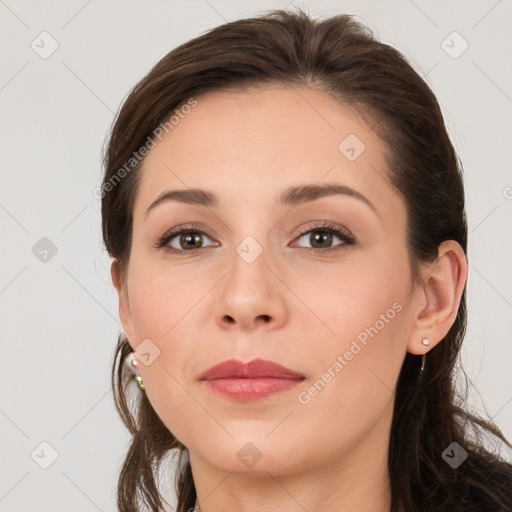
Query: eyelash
point(325, 227)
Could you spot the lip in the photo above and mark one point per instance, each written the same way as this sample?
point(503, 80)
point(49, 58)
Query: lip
point(257, 368)
point(253, 380)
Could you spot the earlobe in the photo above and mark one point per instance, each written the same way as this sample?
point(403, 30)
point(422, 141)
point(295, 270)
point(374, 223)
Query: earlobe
point(440, 295)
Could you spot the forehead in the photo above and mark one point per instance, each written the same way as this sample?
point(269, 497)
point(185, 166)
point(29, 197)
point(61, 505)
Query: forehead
point(245, 144)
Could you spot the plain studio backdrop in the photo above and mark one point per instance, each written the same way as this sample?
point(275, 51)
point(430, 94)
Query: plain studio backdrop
point(66, 67)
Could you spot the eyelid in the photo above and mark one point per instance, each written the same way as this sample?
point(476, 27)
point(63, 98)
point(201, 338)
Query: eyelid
point(163, 240)
point(329, 227)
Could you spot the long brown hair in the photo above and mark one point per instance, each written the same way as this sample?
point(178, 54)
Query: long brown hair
point(339, 56)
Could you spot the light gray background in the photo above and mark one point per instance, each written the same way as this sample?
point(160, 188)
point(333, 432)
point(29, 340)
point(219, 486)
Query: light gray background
point(60, 318)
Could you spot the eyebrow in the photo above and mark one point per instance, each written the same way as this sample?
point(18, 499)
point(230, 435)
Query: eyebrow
point(291, 196)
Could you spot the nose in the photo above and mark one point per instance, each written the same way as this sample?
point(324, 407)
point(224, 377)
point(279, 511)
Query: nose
point(251, 296)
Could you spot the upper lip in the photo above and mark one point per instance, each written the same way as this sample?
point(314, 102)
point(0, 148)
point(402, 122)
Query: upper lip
point(257, 368)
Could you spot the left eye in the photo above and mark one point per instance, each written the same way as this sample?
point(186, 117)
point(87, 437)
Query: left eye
point(321, 238)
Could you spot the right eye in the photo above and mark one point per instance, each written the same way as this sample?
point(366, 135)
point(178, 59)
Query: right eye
point(182, 239)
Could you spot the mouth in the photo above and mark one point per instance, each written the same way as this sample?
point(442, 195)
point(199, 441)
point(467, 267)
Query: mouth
point(250, 381)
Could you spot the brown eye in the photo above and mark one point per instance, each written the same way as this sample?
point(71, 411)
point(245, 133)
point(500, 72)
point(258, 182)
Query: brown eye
point(322, 237)
point(187, 238)
point(190, 240)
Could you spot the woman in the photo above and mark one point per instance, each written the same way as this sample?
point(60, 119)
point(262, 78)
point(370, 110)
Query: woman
point(285, 212)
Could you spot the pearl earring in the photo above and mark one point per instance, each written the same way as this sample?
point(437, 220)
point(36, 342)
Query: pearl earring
point(425, 341)
point(131, 362)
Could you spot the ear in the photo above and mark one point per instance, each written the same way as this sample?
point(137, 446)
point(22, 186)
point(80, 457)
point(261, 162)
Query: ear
point(436, 302)
point(124, 305)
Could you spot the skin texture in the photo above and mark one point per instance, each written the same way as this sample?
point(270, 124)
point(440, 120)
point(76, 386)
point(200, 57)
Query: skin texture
point(291, 305)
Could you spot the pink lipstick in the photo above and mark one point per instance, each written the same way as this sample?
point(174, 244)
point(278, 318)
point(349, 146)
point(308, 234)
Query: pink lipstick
point(250, 381)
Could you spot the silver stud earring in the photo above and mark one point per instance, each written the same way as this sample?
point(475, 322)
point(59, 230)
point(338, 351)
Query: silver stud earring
point(425, 342)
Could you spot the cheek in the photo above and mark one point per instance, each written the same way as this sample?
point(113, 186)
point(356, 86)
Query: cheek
point(163, 318)
point(343, 300)
point(162, 300)
point(356, 369)
point(360, 321)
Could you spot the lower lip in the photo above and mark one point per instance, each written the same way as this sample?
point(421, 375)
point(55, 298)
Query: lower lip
point(250, 389)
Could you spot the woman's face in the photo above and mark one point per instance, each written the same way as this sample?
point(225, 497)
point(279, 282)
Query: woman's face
point(260, 276)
